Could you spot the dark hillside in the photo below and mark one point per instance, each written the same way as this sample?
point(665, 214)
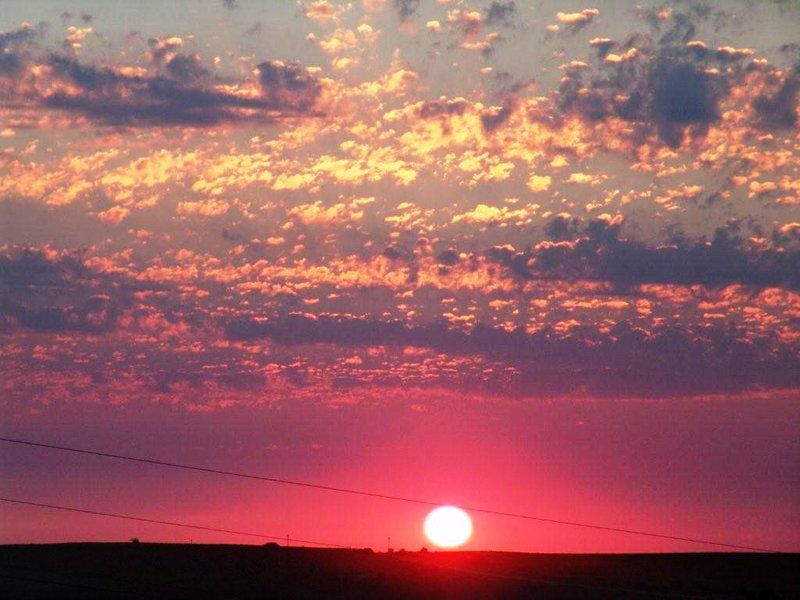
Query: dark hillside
point(221, 571)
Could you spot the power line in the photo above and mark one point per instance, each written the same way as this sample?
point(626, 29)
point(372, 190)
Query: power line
point(417, 563)
point(398, 556)
point(169, 523)
point(418, 501)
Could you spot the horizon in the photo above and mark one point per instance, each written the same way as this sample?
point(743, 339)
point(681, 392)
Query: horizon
point(538, 260)
point(422, 550)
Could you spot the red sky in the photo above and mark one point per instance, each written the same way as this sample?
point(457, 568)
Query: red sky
point(535, 257)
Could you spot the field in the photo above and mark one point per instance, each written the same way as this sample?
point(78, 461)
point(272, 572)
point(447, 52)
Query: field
point(143, 570)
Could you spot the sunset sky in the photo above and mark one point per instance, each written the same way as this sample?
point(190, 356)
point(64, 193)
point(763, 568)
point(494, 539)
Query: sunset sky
point(536, 256)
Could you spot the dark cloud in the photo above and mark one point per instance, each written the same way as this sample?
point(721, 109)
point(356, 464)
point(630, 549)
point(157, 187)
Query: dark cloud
point(663, 86)
point(442, 107)
point(598, 252)
point(255, 29)
point(677, 21)
point(682, 94)
point(97, 314)
point(467, 27)
point(11, 65)
point(603, 46)
point(448, 257)
point(494, 117)
point(187, 69)
point(288, 85)
point(405, 8)
point(50, 291)
point(681, 29)
point(777, 109)
point(16, 36)
point(28, 266)
point(12, 57)
point(35, 286)
point(391, 253)
point(117, 99)
point(667, 360)
point(161, 48)
point(56, 293)
point(182, 95)
point(500, 13)
point(574, 97)
point(563, 227)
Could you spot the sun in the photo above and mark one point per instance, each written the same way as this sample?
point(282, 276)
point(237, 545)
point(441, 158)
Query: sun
point(448, 526)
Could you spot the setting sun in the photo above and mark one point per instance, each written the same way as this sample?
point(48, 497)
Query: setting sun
point(448, 527)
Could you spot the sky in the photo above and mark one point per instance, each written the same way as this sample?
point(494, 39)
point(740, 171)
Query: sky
point(534, 256)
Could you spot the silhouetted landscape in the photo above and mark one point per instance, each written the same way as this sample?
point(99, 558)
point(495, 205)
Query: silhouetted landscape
point(140, 570)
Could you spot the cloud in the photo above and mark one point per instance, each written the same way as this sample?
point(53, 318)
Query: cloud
point(162, 48)
point(405, 8)
point(12, 57)
point(777, 109)
point(597, 251)
point(186, 69)
point(623, 360)
point(501, 13)
point(494, 116)
point(566, 352)
point(603, 45)
point(682, 94)
point(490, 214)
point(442, 107)
point(666, 87)
point(29, 277)
point(205, 208)
point(317, 214)
point(57, 291)
point(183, 95)
point(117, 99)
point(343, 40)
point(469, 25)
point(295, 238)
point(470, 22)
point(576, 21)
point(562, 227)
point(29, 266)
point(539, 183)
point(288, 86)
point(23, 34)
point(114, 215)
point(97, 314)
point(322, 12)
point(485, 46)
point(76, 36)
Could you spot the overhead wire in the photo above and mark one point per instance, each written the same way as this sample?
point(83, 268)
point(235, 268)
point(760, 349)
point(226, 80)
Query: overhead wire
point(170, 523)
point(400, 555)
point(369, 494)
